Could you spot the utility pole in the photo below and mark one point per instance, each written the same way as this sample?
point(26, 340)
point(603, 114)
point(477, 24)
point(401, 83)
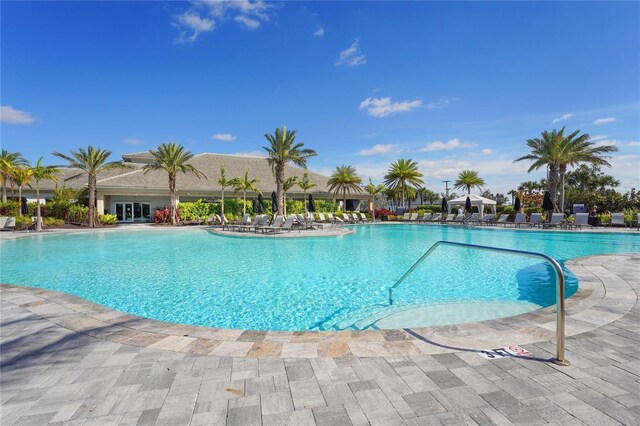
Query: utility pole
point(446, 186)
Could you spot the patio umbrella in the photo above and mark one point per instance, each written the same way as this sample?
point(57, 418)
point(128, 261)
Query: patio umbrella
point(445, 205)
point(260, 204)
point(467, 205)
point(547, 204)
point(23, 206)
point(274, 202)
point(254, 205)
point(516, 204)
point(312, 204)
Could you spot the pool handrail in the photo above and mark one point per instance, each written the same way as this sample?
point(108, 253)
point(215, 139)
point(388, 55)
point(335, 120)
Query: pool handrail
point(560, 285)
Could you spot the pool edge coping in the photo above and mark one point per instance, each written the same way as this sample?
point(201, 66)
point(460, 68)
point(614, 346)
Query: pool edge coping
point(603, 297)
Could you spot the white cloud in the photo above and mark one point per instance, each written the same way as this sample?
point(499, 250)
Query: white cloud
point(487, 151)
point(319, 32)
point(437, 105)
point(634, 143)
point(10, 115)
point(225, 137)
point(352, 56)
point(256, 153)
point(598, 137)
point(379, 149)
point(191, 25)
point(446, 146)
point(564, 117)
point(249, 23)
point(615, 142)
point(382, 107)
point(203, 16)
point(132, 141)
point(606, 120)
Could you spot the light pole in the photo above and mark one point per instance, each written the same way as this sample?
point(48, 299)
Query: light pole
point(446, 186)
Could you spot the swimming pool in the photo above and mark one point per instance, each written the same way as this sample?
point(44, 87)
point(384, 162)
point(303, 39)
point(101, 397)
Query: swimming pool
point(190, 276)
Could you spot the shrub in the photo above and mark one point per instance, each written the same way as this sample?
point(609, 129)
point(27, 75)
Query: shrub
point(31, 209)
point(59, 209)
point(108, 219)
point(325, 206)
point(295, 207)
point(161, 215)
point(10, 208)
point(52, 222)
point(78, 214)
point(382, 212)
point(23, 222)
point(199, 210)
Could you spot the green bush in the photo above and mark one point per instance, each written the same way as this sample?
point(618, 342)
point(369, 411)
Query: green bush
point(108, 219)
point(52, 222)
point(196, 211)
point(10, 208)
point(324, 206)
point(295, 207)
point(78, 214)
point(23, 222)
point(59, 209)
point(31, 209)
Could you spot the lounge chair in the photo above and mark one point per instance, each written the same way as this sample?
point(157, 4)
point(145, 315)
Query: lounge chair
point(474, 218)
point(413, 217)
point(518, 221)
point(406, 216)
point(426, 217)
point(264, 222)
point(9, 224)
point(278, 221)
point(321, 217)
point(450, 217)
point(488, 219)
point(535, 220)
point(582, 219)
point(335, 219)
point(287, 225)
point(250, 226)
point(356, 218)
point(617, 219)
point(309, 224)
point(3, 221)
point(556, 220)
point(436, 217)
point(364, 218)
point(502, 220)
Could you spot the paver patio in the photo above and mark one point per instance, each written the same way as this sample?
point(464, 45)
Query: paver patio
point(57, 367)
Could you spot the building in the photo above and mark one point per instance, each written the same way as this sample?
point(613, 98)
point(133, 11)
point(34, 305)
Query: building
point(133, 195)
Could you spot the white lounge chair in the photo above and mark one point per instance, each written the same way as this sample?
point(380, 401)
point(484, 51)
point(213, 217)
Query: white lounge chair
point(364, 218)
point(450, 218)
point(435, 217)
point(356, 218)
point(321, 217)
point(278, 221)
point(426, 217)
point(413, 217)
point(582, 219)
point(617, 219)
point(406, 216)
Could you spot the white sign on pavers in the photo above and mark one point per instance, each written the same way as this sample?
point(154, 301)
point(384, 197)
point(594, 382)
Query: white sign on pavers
point(505, 352)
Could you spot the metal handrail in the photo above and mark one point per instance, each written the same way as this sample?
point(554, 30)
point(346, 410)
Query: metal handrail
point(560, 286)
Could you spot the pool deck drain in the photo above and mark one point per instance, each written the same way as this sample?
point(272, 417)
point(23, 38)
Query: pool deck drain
point(69, 361)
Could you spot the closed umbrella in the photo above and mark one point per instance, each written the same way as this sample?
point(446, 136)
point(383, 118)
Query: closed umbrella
point(312, 204)
point(24, 209)
point(260, 204)
point(445, 205)
point(516, 204)
point(254, 206)
point(547, 204)
point(467, 205)
point(274, 202)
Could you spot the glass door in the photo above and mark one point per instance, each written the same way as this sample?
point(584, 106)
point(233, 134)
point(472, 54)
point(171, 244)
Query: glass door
point(124, 212)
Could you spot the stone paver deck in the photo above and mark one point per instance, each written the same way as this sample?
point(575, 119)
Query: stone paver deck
point(68, 361)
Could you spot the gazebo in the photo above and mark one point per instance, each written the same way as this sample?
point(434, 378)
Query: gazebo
point(476, 200)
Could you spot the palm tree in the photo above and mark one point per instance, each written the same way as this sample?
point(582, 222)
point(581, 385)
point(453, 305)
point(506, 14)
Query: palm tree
point(244, 184)
point(8, 162)
point(558, 151)
point(284, 149)
point(40, 172)
point(22, 176)
point(468, 179)
point(172, 158)
point(224, 183)
point(305, 184)
point(529, 186)
point(373, 190)
point(92, 161)
point(344, 179)
point(402, 172)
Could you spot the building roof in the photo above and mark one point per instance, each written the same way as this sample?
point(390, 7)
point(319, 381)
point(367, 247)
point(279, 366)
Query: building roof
point(209, 164)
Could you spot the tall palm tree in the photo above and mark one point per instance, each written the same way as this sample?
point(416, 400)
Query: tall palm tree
point(373, 190)
point(8, 162)
point(40, 172)
point(344, 179)
point(284, 149)
point(305, 184)
point(224, 183)
point(244, 184)
point(468, 179)
point(401, 173)
point(558, 151)
point(172, 158)
point(91, 161)
point(529, 186)
point(22, 176)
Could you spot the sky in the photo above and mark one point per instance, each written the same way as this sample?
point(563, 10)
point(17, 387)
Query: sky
point(453, 86)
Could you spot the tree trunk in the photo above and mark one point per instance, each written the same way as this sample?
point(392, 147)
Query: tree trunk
point(4, 189)
point(244, 203)
point(20, 200)
point(373, 207)
point(222, 203)
point(552, 184)
point(304, 201)
point(403, 195)
point(280, 187)
point(92, 200)
point(173, 208)
point(560, 206)
point(344, 200)
point(38, 219)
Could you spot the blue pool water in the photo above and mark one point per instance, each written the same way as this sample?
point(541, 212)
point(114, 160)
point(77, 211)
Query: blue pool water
point(193, 277)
